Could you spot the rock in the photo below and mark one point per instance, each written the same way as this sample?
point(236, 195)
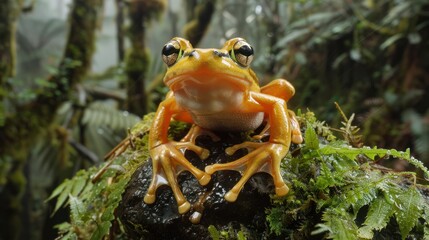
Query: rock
point(161, 219)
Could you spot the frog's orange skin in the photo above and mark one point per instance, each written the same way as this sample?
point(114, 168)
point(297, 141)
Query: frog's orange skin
point(213, 90)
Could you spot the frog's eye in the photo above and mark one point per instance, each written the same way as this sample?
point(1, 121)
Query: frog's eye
point(171, 52)
point(242, 53)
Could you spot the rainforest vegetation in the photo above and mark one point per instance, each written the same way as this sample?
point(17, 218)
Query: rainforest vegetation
point(79, 76)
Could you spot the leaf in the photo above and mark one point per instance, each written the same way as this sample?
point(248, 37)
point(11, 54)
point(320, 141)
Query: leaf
point(378, 216)
point(390, 41)
point(274, 219)
point(64, 195)
point(295, 34)
point(240, 236)
point(58, 190)
point(101, 231)
point(78, 185)
point(311, 139)
point(408, 210)
point(76, 210)
point(214, 233)
point(339, 223)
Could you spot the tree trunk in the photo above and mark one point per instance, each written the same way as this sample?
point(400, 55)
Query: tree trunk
point(23, 127)
point(137, 61)
point(199, 20)
point(120, 29)
point(9, 9)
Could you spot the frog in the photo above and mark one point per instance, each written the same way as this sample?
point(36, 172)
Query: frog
point(216, 90)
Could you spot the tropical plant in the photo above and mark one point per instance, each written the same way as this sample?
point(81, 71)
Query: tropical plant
point(338, 191)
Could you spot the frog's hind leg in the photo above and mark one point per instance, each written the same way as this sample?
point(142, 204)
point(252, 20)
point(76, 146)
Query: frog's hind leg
point(295, 129)
point(296, 135)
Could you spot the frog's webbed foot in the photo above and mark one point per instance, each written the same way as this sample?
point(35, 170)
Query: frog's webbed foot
point(265, 158)
point(168, 162)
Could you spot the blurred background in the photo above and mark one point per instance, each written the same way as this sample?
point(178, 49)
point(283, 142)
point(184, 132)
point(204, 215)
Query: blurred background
point(76, 74)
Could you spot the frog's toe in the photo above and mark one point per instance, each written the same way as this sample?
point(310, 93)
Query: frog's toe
point(210, 169)
point(204, 154)
point(282, 190)
point(205, 179)
point(231, 196)
point(184, 207)
point(149, 198)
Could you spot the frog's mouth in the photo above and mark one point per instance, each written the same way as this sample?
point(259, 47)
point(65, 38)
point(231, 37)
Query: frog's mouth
point(207, 81)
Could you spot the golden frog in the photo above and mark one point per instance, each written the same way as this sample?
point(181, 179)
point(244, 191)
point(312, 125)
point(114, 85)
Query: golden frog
point(215, 89)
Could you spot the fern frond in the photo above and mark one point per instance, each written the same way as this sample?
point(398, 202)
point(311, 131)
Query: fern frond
point(339, 224)
point(100, 113)
point(378, 216)
point(409, 206)
point(76, 210)
point(311, 139)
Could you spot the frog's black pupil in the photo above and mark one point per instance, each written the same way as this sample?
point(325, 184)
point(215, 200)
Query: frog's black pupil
point(245, 50)
point(169, 49)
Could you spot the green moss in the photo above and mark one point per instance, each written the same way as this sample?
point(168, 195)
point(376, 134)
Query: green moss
point(334, 185)
point(337, 191)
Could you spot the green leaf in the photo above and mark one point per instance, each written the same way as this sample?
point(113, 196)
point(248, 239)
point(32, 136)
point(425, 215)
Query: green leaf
point(58, 190)
point(339, 224)
point(240, 236)
point(214, 233)
point(78, 185)
point(64, 195)
point(378, 216)
point(101, 231)
point(390, 41)
point(76, 210)
point(274, 218)
point(311, 140)
point(408, 211)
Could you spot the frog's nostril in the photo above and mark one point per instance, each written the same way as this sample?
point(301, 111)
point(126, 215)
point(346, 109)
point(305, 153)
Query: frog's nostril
point(193, 53)
point(219, 54)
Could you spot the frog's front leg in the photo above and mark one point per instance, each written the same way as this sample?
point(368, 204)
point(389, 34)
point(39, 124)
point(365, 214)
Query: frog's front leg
point(167, 159)
point(267, 156)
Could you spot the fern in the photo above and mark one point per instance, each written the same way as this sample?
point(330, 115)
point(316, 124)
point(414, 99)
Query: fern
point(337, 192)
point(339, 224)
point(378, 216)
point(342, 180)
point(409, 206)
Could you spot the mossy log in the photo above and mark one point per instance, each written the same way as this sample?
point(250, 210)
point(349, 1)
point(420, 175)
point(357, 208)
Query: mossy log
point(337, 191)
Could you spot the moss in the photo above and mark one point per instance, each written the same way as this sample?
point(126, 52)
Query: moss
point(337, 191)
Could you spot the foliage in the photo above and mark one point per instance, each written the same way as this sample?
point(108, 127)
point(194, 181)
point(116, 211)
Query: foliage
point(92, 203)
point(364, 55)
point(229, 233)
point(354, 197)
point(338, 191)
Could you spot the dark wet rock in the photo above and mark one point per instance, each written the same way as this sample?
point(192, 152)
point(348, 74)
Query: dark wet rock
point(161, 220)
